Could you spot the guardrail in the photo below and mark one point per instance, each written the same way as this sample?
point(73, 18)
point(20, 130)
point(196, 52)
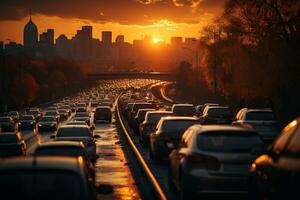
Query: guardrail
point(157, 188)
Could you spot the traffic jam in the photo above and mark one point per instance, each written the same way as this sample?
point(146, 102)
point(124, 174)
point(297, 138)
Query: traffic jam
point(76, 148)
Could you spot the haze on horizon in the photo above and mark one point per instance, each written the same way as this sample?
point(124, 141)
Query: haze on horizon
point(135, 19)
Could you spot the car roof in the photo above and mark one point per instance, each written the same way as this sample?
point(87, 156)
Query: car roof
point(61, 144)
point(213, 128)
point(10, 133)
point(174, 118)
point(103, 107)
point(42, 162)
point(160, 111)
point(73, 126)
point(259, 110)
point(183, 104)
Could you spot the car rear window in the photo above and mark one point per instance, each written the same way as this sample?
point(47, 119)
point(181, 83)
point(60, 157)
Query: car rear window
point(41, 184)
point(219, 112)
point(73, 132)
point(60, 151)
point(153, 118)
point(8, 138)
point(138, 106)
point(175, 128)
point(185, 110)
point(225, 141)
point(48, 119)
point(26, 118)
point(260, 116)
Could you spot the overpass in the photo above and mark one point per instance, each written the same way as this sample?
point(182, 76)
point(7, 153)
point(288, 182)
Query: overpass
point(120, 75)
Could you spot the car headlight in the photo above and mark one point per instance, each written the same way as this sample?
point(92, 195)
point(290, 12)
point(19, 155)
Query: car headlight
point(31, 122)
point(40, 125)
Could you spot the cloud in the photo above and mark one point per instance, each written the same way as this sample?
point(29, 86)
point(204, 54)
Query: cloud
point(103, 11)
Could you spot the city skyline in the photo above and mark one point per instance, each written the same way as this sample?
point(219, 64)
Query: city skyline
point(135, 19)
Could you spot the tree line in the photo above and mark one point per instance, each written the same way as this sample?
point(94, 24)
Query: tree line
point(251, 55)
point(26, 81)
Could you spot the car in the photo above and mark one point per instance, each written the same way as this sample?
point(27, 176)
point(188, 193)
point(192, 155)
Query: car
point(139, 118)
point(12, 144)
point(63, 114)
point(78, 133)
point(149, 124)
point(103, 113)
point(82, 116)
point(35, 113)
point(66, 148)
point(67, 108)
point(94, 104)
point(216, 115)
point(167, 135)
point(183, 109)
point(7, 124)
point(134, 110)
point(26, 122)
point(47, 123)
point(275, 174)
point(262, 120)
point(51, 108)
point(127, 109)
point(14, 115)
point(35, 177)
point(53, 113)
point(199, 110)
point(213, 160)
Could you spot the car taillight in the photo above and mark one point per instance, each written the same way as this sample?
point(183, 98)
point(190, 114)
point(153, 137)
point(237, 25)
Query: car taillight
point(203, 161)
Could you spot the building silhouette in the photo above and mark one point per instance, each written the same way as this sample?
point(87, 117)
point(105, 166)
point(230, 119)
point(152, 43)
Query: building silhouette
point(120, 39)
point(30, 35)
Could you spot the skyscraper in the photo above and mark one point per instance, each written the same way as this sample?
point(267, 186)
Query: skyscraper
point(107, 37)
point(47, 37)
point(120, 39)
point(30, 35)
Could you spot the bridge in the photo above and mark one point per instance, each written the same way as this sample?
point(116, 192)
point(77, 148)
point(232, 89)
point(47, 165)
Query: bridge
point(119, 75)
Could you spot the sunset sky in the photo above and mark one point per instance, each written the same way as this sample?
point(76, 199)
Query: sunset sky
point(135, 19)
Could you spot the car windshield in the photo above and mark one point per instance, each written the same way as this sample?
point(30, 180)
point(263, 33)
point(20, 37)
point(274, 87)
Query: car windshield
point(175, 128)
point(219, 112)
point(260, 116)
point(153, 118)
point(60, 151)
point(73, 132)
point(8, 138)
point(47, 119)
point(4, 119)
point(229, 141)
point(41, 184)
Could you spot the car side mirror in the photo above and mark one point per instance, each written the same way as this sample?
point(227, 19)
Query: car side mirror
point(52, 136)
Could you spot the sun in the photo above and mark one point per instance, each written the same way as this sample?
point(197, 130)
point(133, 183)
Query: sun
point(155, 40)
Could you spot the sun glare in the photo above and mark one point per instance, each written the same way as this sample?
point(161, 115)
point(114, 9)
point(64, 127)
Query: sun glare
point(155, 40)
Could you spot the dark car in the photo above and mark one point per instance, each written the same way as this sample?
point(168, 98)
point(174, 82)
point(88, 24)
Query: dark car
point(213, 160)
point(58, 178)
point(262, 120)
point(78, 133)
point(27, 122)
point(66, 148)
point(53, 113)
point(12, 144)
point(35, 113)
point(216, 115)
point(276, 174)
point(135, 108)
point(149, 124)
point(7, 124)
point(14, 115)
point(127, 109)
point(184, 109)
point(139, 118)
point(103, 113)
point(167, 135)
point(82, 116)
point(47, 123)
point(63, 114)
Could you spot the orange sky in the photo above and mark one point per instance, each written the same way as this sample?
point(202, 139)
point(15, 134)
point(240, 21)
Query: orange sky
point(135, 19)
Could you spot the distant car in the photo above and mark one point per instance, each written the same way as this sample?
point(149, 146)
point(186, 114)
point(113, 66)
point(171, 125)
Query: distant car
point(7, 124)
point(167, 135)
point(47, 123)
point(184, 110)
point(149, 124)
point(63, 114)
point(78, 133)
point(27, 122)
point(51, 108)
point(213, 160)
point(276, 174)
point(135, 108)
point(14, 115)
point(103, 113)
point(34, 177)
point(82, 116)
point(262, 120)
point(139, 118)
point(126, 112)
point(12, 144)
point(35, 113)
point(65, 148)
point(81, 109)
point(216, 115)
point(53, 113)
point(94, 104)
